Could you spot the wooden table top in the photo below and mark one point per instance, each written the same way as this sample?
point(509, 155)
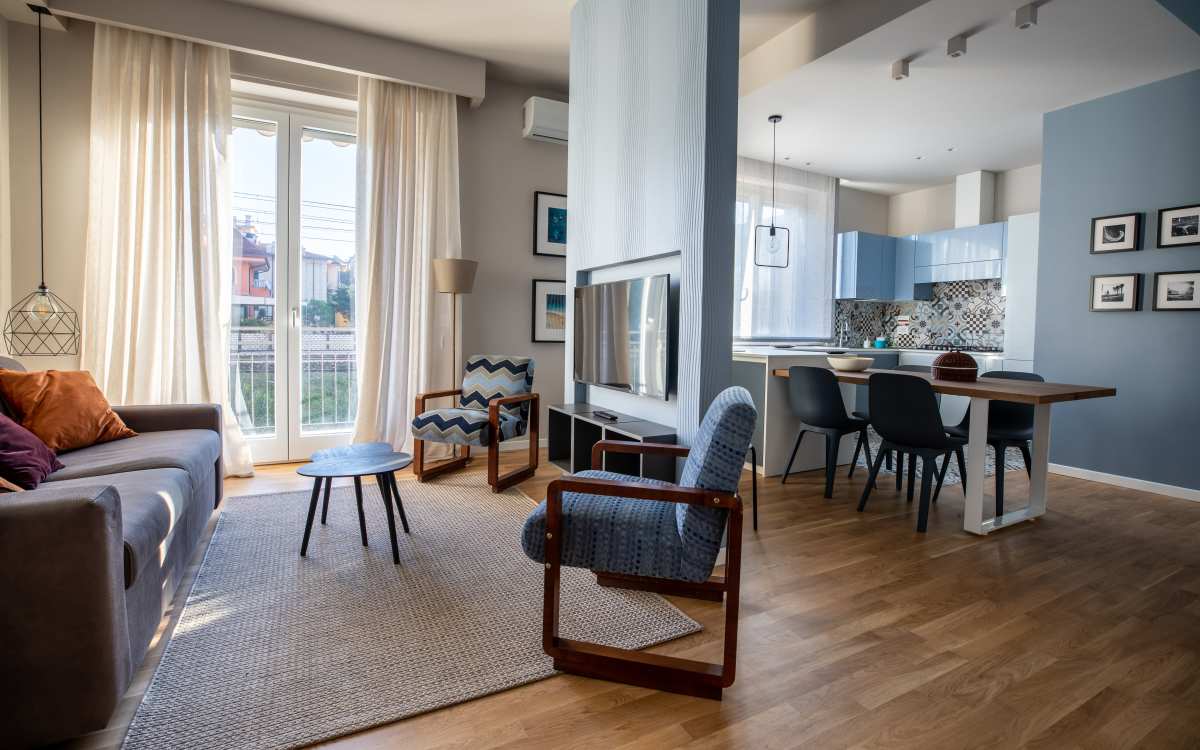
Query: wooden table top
point(999, 389)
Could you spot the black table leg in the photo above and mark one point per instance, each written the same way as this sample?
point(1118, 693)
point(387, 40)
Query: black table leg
point(362, 520)
point(325, 503)
point(312, 511)
point(385, 492)
point(391, 476)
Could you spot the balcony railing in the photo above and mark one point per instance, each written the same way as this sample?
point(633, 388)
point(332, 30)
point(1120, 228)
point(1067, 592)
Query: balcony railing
point(328, 379)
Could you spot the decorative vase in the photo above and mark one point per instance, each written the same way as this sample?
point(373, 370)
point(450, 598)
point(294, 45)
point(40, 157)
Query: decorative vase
point(955, 365)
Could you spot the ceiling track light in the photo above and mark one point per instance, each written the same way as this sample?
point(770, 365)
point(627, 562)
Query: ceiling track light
point(900, 70)
point(1026, 17)
point(956, 46)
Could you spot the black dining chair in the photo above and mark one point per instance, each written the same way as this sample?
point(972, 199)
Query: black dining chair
point(1010, 425)
point(905, 414)
point(866, 414)
point(816, 400)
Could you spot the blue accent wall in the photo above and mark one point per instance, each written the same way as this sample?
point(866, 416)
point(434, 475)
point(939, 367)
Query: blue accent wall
point(1187, 11)
point(1136, 150)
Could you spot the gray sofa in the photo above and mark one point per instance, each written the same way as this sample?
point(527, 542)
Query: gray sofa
point(89, 560)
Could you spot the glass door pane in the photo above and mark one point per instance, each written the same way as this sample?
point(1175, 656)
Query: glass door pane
point(255, 328)
point(327, 382)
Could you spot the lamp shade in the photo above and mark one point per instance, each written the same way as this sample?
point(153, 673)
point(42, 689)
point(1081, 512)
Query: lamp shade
point(454, 275)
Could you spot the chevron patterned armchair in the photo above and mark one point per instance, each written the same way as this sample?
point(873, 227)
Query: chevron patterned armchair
point(495, 403)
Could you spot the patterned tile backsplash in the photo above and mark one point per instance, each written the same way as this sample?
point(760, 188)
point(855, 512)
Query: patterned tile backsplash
point(962, 313)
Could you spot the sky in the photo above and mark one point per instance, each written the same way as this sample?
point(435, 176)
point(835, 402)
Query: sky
point(327, 186)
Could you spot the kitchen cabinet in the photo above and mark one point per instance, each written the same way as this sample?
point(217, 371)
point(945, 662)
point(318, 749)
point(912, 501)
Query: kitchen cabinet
point(960, 254)
point(1020, 286)
point(906, 288)
point(866, 266)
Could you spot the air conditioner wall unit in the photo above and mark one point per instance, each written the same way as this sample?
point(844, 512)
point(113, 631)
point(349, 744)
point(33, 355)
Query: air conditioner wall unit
point(545, 120)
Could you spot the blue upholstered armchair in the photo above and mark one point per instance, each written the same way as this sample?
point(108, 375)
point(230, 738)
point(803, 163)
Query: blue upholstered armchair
point(647, 534)
point(496, 403)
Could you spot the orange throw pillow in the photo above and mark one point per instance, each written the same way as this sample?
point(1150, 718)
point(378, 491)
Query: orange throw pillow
point(64, 408)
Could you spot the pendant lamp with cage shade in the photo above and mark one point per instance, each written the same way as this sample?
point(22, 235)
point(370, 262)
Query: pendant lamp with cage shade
point(41, 323)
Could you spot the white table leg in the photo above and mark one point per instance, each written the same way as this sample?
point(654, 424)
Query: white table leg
point(976, 455)
point(1041, 460)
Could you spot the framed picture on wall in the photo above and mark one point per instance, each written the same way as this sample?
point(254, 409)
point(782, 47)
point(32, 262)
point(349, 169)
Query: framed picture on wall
point(1179, 226)
point(1116, 234)
point(1119, 292)
point(1177, 290)
point(549, 224)
point(549, 311)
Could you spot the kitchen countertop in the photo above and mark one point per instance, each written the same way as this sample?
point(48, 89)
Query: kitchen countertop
point(762, 352)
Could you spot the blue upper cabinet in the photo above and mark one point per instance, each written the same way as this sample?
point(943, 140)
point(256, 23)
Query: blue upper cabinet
point(906, 287)
point(866, 266)
point(958, 254)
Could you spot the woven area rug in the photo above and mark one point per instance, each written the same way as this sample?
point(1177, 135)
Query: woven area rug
point(276, 651)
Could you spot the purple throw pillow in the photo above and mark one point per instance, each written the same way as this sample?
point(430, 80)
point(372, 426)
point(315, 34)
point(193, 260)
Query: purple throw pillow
point(24, 459)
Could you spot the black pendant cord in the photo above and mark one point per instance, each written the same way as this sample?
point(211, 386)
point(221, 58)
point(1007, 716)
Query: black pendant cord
point(774, 129)
point(41, 166)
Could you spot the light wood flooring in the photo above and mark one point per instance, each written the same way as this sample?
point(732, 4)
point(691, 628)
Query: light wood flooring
point(1080, 630)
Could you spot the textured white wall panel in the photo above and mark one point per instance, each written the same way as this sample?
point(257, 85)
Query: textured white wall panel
point(651, 167)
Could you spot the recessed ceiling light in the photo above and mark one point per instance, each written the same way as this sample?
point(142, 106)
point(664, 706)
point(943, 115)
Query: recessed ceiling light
point(918, 158)
point(1026, 17)
point(949, 148)
point(808, 163)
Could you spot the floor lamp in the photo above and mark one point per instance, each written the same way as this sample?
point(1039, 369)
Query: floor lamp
point(454, 276)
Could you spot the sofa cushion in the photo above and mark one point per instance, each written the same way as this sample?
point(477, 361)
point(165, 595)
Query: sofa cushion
point(25, 460)
point(65, 408)
point(191, 450)
point(152, 502)
point(612, 534)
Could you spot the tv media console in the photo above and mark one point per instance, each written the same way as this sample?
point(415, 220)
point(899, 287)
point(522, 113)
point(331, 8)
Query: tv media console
point(575, 428)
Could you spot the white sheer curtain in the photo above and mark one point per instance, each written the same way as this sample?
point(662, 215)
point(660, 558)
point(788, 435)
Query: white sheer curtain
point(408, 215)
point(795, 302)
point(157, 274)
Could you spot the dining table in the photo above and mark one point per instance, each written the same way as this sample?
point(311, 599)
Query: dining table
point(1041, 395)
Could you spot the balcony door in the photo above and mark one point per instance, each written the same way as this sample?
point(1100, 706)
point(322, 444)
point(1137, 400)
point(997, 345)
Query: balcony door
point(293, 380)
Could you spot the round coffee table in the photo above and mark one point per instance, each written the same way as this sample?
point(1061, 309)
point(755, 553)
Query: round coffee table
point(357, 461)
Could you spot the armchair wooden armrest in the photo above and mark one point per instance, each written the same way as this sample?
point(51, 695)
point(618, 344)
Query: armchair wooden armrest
point(423, 397)
point(498, 481)
point(632, 446)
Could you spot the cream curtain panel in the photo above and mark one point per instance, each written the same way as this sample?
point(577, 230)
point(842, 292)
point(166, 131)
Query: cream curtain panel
point(157, 274)
point(408, 215)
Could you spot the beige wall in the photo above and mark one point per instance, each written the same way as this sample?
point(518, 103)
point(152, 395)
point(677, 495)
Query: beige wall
point(1018, 191)
point(68, 81)
point(858, 210)
point(500, 171)
point(5, 208)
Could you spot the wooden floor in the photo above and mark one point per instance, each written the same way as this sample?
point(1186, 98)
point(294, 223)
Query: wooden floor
point(1080, 630)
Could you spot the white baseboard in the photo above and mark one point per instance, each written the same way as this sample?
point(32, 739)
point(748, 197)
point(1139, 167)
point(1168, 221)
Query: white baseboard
point(1183, 493)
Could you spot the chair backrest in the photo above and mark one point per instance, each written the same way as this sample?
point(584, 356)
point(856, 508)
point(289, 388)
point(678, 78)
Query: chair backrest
point(815, 397)
point(904, 410)
point(489, 376)
point(715, 463)
point(1007, 415)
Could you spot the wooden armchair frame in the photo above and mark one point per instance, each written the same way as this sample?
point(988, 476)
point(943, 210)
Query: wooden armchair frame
point(457, 461)
point(656, 671)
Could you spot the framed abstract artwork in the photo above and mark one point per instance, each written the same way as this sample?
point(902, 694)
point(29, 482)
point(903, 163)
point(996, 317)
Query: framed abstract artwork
point(1116, 234)
point(549, 311)
point(1179, 226)
point(549, 224)
point(1116, 293)
point(1177, 290)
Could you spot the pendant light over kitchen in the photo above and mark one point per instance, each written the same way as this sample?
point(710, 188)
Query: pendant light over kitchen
point(771, 243)
point(41, 324)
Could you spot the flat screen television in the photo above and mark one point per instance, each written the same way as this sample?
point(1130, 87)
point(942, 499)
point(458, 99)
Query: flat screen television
point(623, 335)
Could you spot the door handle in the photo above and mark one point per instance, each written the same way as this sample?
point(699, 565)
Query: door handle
point(295, 317)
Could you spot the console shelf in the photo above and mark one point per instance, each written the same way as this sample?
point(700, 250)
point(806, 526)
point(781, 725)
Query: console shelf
point(575, 428)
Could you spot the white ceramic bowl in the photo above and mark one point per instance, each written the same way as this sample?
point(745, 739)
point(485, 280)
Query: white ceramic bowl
point(849, 362)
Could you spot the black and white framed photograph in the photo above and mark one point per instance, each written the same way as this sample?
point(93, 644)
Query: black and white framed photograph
point(549, 224)
point(1117, 292)
point(1179, 226)
point(1116, 234)
point(549, 311)
point(1177, 290)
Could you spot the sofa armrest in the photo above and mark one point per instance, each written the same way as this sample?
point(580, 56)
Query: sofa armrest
point(158, 418)
point(64, 639)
